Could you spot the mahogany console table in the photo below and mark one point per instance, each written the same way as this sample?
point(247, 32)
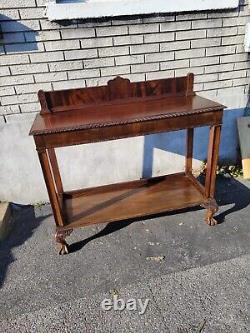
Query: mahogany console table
point(119, 110)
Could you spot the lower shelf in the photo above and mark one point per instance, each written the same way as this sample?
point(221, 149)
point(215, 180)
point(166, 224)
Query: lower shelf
point(134, 199)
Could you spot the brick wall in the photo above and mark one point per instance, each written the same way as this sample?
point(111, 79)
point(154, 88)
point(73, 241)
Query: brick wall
point(38, 54)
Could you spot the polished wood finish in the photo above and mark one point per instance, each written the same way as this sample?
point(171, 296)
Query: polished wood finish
point(132, 199)
point(213, 152)
point(55, 169)
point(53, 195)
point(117, 90)
point(113, 132)
point(129, 112)
point(189, 150)
point(119, 110)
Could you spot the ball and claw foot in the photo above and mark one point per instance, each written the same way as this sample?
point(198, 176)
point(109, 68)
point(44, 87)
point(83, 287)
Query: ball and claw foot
point(60, 236)
point(64, 249)
point(210, 220)
point(212, 208)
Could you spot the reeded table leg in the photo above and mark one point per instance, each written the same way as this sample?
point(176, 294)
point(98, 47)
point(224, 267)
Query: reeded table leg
point(55, 170)
point(213, 153)
point(52, 177)
point(189, 150)
point(49, 180)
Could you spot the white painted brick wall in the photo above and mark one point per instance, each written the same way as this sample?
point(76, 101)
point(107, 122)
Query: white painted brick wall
point(118, 70)
point(160, 37)
point(30, 88)
point(15, 37)
point(144, 48)
point(30, 107)
point(183, 45)
point(2, 121)
point(7, 91)
point(65, 65)
point(160, 75)
point(4, 71)
point(145, 68)
point(30, 36)
point(8, 109)
point(209, 42)
point(161, 56)
point(46, 57)
point(127, 40)
point(204, 61)
point(143, 28)
point(18, 3)
point(174, 64)
point(50, 77)
point(18, 99)
point(15, 26)
point(81, 54)
point(101, 42)
point(130, 59)
point(13, 13)
point(113, 51)
point(99, 63)
point(15, 80)
point(82, 74)
point(62, 45)
point(29, 69)
point(78, 33)
point(220, 50)
point(31, 13)
point(175, 26)
point(192, 34)
point(71, 84)
point(197, 53)
point(219, 68)
point(14, 59)
point(38, 54)
point(220, 32)
point(111, 31)
point(208, 23)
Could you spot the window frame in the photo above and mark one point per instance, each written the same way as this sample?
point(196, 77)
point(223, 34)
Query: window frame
point(78, 10)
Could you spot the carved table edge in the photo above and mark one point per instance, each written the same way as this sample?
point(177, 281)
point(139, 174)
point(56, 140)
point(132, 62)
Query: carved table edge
point(126, 122)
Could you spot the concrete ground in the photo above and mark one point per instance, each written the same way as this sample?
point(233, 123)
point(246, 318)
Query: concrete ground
point(195, 277)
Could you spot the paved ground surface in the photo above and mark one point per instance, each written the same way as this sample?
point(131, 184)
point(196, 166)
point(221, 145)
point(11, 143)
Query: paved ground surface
point(203, 276)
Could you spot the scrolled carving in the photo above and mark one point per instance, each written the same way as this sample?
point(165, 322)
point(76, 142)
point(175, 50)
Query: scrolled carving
point(119, 88)
point(61, 234)
point(43, 102)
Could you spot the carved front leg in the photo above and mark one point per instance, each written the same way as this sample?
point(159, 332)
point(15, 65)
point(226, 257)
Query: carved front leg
point(60, 236)
point(212, 208)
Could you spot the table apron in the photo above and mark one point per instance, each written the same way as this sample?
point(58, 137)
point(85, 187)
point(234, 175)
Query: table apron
point(83, 136)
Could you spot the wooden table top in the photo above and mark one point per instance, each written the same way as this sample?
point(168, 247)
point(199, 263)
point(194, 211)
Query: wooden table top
point(119, 112)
